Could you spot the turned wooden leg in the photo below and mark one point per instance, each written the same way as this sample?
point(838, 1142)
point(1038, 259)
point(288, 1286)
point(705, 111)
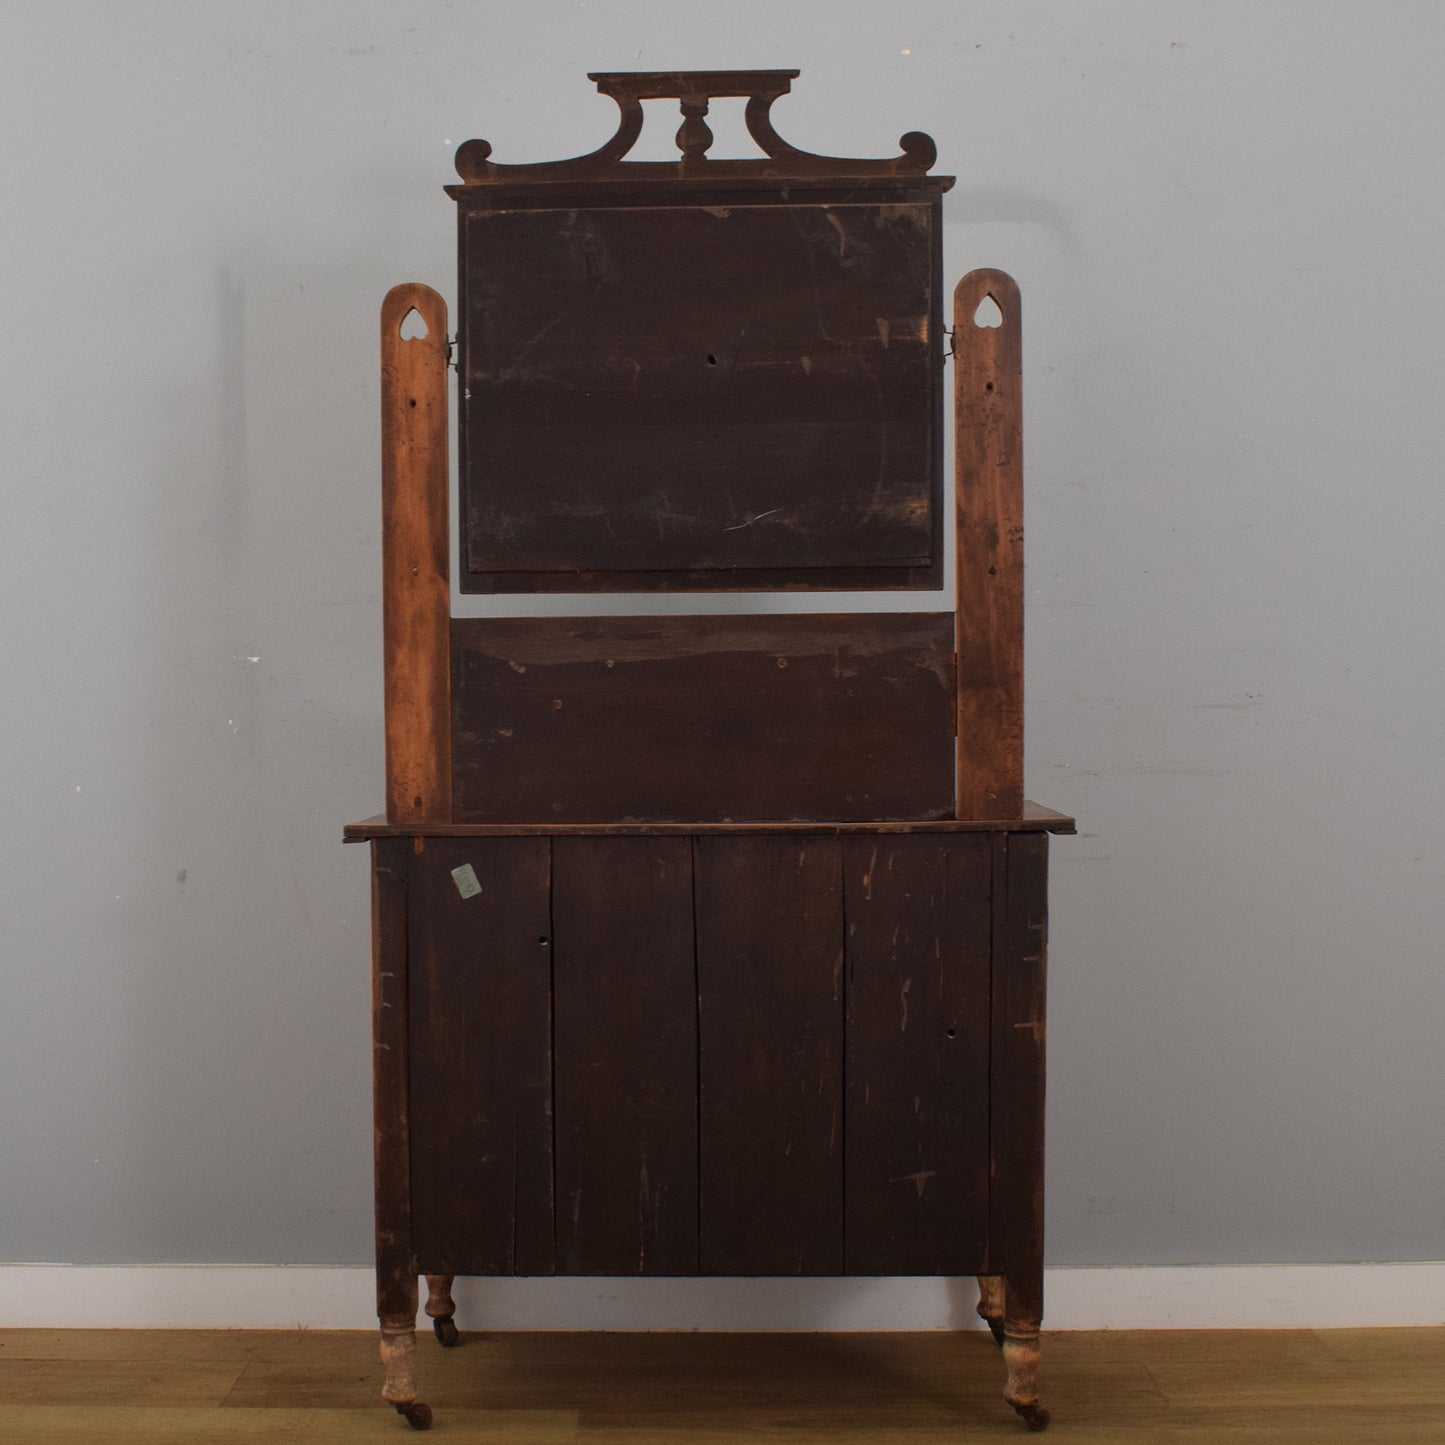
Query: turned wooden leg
point(990, 1304)
point(440, 1308)
point(398, 1361)
point(1021, 1359)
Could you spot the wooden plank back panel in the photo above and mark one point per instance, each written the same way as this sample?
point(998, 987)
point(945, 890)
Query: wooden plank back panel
point(672, 390)
point(918, 1053)
point(843, 718)
point(770, 1010)
point(481, 1056)
point(625, 1010)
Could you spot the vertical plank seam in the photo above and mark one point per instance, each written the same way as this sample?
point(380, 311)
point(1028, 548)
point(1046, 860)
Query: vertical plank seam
point(694, 843)
point(552, 1030)
point(517, 853)
point(847, 997)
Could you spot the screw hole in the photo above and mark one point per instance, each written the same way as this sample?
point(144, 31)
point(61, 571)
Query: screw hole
point(988, 386)
point(411, 401)
point(952, 1033)
point(711, 359)
point(542, 940)
point(413, 326)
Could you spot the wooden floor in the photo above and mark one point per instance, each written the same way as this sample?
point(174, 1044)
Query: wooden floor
point(1297, 1387)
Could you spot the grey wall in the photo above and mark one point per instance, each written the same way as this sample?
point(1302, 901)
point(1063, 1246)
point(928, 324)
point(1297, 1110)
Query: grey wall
point(1226, 221)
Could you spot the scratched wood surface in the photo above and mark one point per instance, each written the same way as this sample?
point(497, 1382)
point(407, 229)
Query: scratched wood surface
point(725, 1099)
point(664, 395)
point(481, 1056)
point(770, 1027)
point(918, 1054)
point(625, 1010)
point(615, 719)
point(316, 1387)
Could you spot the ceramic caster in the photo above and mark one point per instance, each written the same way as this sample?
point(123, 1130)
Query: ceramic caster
point(417, 1415)
point(446, 1332)
point(1034, 1416)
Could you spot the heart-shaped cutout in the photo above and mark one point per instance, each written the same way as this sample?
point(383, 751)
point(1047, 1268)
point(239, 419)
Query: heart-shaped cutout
point(988, 317)
point(413, 326)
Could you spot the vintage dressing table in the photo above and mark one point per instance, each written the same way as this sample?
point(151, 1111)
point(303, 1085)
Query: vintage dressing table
point(706, 944)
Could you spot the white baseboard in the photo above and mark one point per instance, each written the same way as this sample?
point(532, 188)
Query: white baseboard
point(191, 1296)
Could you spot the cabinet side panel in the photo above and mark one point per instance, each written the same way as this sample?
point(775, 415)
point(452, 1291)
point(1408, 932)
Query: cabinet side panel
point(395, 1259)
point(1019, 1060)
point(770, 1008)
point(626, 1056)
point(481, 1065)
point(918, 1054)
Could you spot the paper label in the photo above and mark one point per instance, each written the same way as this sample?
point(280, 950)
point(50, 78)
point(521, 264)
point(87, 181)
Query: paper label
point(465, 878)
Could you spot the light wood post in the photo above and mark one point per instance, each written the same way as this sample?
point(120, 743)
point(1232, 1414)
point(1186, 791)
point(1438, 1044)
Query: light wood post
point(416, 587)
point(988, 477)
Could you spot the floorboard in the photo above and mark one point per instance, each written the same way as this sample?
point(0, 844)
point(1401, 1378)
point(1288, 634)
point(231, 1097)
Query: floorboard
point(1182, 1387)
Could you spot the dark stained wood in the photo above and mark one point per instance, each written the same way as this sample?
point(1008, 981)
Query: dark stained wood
point(1035, 818)
point(918, 1053)
point(678, 393)
point(738, 579)
point(694, 89)
point(1000, 1181)
point(396, 1271)
point(765, 939)
point(770, 1054)
point(416, 595)
point(988, 465)
point(481, 1056)
point(625, 1020)
point(1020, 1035)
point(705, 719)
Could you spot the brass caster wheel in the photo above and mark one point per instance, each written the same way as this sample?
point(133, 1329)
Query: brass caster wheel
point(995, 1328)
point(446, 1332)
point(417, 1415)
point(1034, 1416)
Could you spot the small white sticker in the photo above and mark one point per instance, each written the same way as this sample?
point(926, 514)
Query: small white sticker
point(465, 878)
